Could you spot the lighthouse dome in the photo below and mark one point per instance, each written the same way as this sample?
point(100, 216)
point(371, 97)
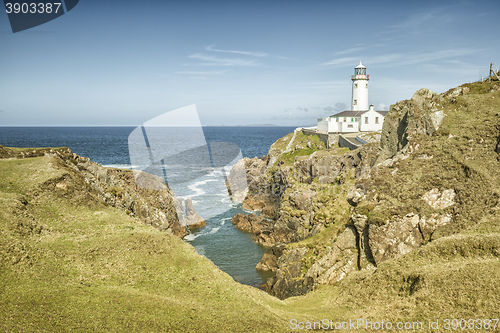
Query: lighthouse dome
point(360, 65)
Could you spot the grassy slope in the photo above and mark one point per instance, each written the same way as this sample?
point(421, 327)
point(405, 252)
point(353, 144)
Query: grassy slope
point(74, 264)
point(77, 264)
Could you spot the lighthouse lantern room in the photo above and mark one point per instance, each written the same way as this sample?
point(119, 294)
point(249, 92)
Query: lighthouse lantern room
point(359, 88)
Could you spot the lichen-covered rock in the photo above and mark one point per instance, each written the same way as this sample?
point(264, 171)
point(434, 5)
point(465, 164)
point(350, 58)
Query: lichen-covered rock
point(421, 114)
point(154, 205)
point(269, 261)
point(250, 223)
point(288, 280)
point(396, 237)
point(337, 261)
point(429, 225)
point(354, 196)
point(438, 200)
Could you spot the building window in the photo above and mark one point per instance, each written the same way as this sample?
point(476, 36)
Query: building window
point(376, 120)
point(352, 120)
point(337, 119)
point(344, 120)
point(366, 120)
point(349, 126)
point(355, 85)
point(367, 85)
point(355, 102)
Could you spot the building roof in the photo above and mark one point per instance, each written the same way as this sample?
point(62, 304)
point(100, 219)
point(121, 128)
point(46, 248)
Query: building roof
point(349, 113)
point(360, 65)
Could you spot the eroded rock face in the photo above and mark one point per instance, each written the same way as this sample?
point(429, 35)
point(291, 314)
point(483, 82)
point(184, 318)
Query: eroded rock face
point(269, 261)
point(154, 206)
point(194, 221)
point(421, 114)
point(250, 223)
point(288, 280)
point(397, 237)
point(438, 200)
point(266, 232)
point(339, 260)
point(429, 225)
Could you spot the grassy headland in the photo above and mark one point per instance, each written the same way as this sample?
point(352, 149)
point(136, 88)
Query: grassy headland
point(71, 262)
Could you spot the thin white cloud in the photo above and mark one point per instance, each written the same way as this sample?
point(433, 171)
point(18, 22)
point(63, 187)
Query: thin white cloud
point(247, 53)
point(212, 48)
point(395, 59)
point(215, 61)
point(351, 50)
point(202, 72)
point(340, 62)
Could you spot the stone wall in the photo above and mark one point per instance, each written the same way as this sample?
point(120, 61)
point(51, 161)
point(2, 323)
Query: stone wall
point(330, 139)
point(343, 142)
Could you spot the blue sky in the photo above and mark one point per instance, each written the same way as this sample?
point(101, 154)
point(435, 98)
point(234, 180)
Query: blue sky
point(254, 62)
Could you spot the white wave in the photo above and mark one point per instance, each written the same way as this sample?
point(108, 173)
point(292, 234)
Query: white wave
point(121, 166)
point(192, 237)
point(213, 231)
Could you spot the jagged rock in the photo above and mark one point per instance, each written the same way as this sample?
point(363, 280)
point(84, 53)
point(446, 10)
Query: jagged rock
point(438, 200)
point(458, 91)
point(359, 222)
point(365, 257)
point(250, 223)
point(269, 261)
point(288, 282)
point(237, 182)
point(252, 204)
point(338, 260)
point(396, 237)
point(194, 221)
point(429, 225)
point(421, 114)
point(179, 209)
point(354, 196)
point(115, 187)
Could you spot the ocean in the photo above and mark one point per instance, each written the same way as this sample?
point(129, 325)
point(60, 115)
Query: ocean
point(233, 251)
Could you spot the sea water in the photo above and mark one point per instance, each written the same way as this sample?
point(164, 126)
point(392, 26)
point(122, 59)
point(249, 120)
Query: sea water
point(232, 250)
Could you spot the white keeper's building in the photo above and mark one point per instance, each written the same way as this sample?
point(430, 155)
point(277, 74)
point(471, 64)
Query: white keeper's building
point(361, 117)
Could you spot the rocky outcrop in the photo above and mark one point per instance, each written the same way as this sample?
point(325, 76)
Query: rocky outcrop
point(193, 220)
point(422, 114)
point(336, 261)
point(424, 181)
point(269, 261)
point(114, 187)
point(266, 232)
point(289, 280)
point(438, 200)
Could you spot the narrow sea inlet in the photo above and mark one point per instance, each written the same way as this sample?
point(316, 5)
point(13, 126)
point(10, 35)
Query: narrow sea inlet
point(232, 250)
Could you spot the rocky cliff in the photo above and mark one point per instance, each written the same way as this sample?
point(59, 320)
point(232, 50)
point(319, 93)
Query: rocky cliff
point(332, 212)
point(109, 186)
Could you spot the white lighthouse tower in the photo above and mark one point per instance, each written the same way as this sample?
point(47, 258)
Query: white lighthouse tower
point(359, 88)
